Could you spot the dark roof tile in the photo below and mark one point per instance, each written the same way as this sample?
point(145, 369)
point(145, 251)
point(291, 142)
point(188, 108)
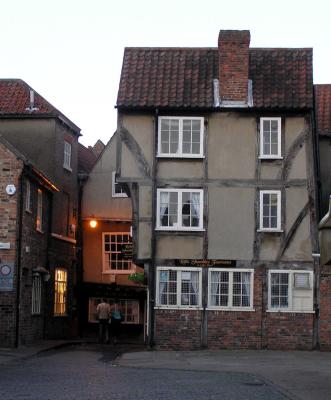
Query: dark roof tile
point(183, 77)
point(323, 109)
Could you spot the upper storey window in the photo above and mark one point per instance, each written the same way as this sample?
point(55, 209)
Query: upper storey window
point(270, 138)
point(67, 156)
point(180, 137)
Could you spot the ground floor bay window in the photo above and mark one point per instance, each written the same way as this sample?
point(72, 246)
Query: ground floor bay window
point(290, 290)
point(230, 289)
point(179, 287)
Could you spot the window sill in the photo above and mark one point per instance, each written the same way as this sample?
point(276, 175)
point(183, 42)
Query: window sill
point(271, 230)
point(164, 229)
point(247, 309)
point(290, 311)
point(270, 158)
point(67, 168)
point(181, 156)
point(195, 308)
point(119, 272)
point(60, 315)
point(120, 195)
point(28, 211)
point(39, 231)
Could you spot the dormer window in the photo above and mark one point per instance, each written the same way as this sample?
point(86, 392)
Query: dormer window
point(180, 137)
point(67, 156)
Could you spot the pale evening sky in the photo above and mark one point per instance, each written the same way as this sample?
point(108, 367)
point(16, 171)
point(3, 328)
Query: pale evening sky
point(70, 51)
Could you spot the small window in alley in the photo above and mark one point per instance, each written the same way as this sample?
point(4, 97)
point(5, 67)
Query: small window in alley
point(39, 219)
point(117, 253)
point(60, 292)
point(36, 294)
point(117, 188)
point(129, 309)
point(67, 156)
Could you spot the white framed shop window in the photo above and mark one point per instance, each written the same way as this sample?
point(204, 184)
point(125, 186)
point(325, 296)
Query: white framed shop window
point(178, 287)
point(290, 291)
point(230, 289)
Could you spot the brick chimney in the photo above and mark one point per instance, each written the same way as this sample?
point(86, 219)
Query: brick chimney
point(233, 49)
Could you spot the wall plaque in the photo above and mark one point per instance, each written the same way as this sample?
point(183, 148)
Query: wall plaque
point(6, 277)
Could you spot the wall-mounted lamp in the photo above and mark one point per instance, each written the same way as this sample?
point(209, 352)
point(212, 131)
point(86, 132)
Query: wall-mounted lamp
point(93, 223)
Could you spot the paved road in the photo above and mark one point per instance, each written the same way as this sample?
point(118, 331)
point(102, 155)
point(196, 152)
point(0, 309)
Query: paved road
point(91, 372)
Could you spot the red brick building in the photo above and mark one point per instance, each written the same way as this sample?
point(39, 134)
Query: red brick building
point(48, 140)
point(25, 206)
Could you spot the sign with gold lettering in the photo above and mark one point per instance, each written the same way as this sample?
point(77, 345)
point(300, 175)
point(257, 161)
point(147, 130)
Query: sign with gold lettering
point(206, 263)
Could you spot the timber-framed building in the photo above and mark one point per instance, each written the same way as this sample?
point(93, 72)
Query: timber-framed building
point(217, 148)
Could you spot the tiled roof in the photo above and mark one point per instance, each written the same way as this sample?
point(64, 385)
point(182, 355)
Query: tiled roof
point(86, 158)
point(15, 100)
point(183, 77)
point(323, 109)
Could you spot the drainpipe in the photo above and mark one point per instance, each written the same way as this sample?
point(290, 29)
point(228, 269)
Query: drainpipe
point(18, 258)
point(47, 311)
point(316, 249)
point(152, 270)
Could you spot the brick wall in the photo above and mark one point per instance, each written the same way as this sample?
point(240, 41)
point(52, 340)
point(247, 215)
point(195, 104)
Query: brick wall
point(178, 329)
point(258, 329)
point(233, 64)
point(33, 255)
point(10, 171)
point(289, 331)
point(325, 308)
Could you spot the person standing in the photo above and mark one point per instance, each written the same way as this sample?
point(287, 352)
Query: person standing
point(116, 319)
point(103, 311)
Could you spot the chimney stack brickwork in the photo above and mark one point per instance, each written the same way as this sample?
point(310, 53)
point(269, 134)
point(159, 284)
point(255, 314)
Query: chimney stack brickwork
point(233, 49)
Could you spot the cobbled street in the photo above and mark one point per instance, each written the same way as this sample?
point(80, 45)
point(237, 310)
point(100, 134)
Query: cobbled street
point(91, 372)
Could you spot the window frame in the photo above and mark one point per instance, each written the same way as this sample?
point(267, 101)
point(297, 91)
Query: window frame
point(60, 295)
point(279, 211)
point(291, 288)
point(178, 304)
point(129, 261)
point(113, 187)
point(279, 138)
point(230, 306)
point(180, 153)
point(36, 295)
point(28, 203)
point(179, 226)
point(111, 301)
point(67, 150)
point(39, 216)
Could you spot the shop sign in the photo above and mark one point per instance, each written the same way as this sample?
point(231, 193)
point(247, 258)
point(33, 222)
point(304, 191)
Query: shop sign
point(206, 263)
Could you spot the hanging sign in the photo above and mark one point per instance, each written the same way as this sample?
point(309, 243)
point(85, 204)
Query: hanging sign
point(127, 250)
